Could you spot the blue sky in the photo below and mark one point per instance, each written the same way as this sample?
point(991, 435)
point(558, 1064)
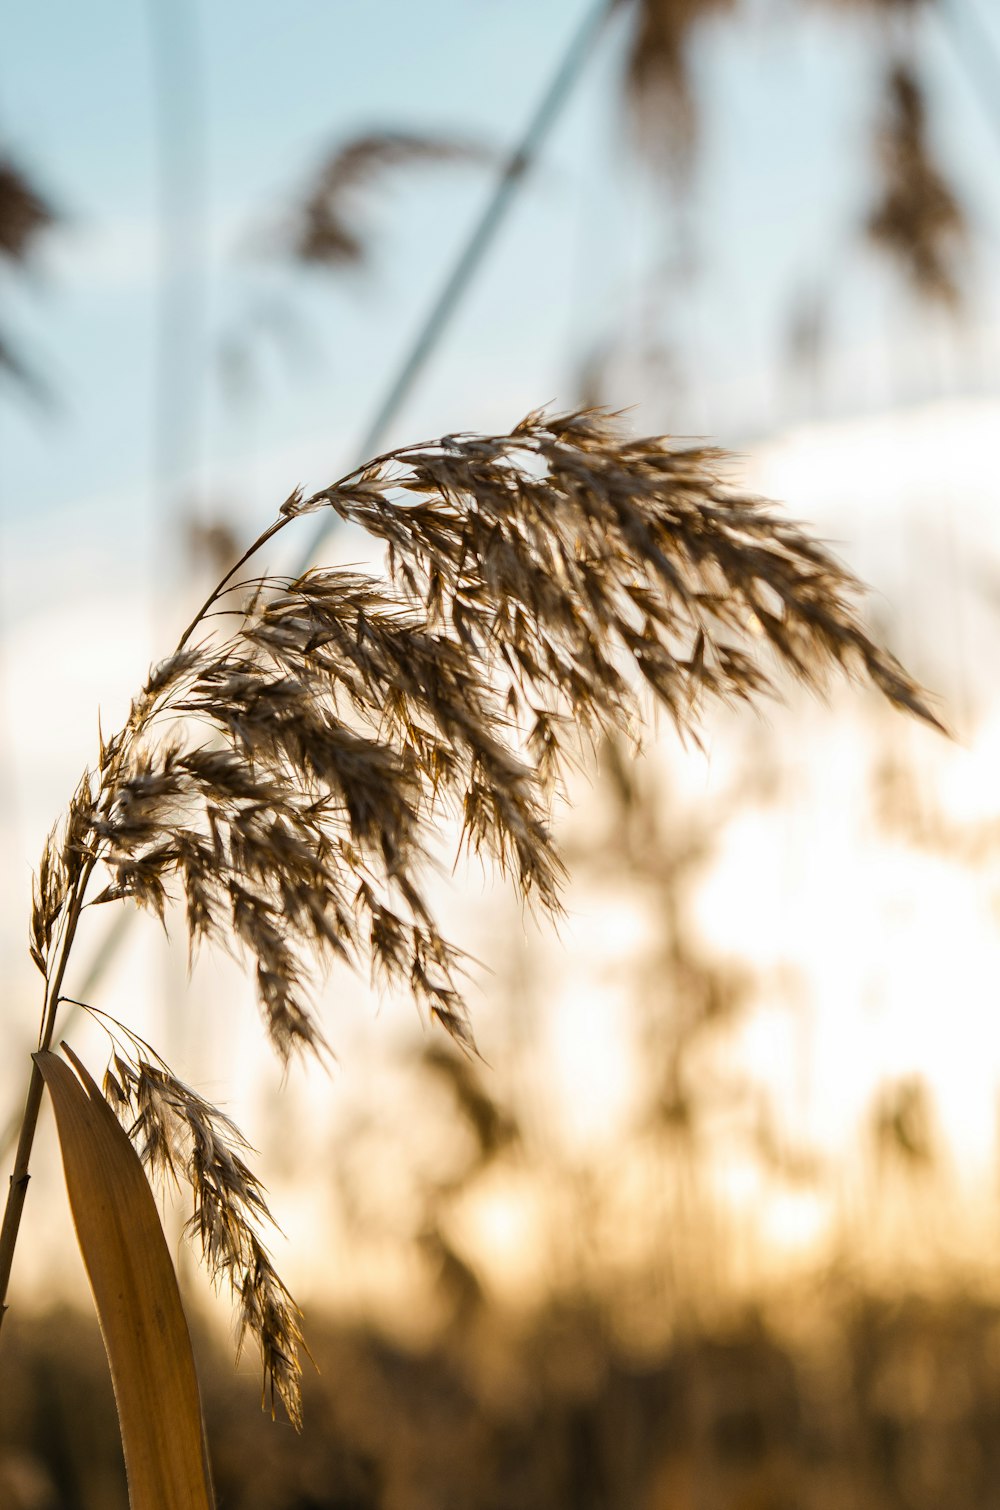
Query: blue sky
point(778, 188)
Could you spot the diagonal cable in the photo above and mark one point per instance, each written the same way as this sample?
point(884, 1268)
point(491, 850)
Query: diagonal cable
point(428, 338)
point(976, 50)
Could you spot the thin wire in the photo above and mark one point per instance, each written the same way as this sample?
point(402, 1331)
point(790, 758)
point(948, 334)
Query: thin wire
point(977, 51)
point(428, 338)
point(473, 253)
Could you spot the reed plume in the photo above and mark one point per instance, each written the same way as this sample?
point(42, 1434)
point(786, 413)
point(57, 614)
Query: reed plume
point(324, 228)
point(287, 770)
point(918, 219)
point(658, 74)
point(25, 214)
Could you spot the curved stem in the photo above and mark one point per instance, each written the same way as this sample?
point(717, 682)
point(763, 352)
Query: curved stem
point(220, 587)
point(427, 339)
point(18, 1184)
point(29, 1122)
point(322, 496)
point(428, 336)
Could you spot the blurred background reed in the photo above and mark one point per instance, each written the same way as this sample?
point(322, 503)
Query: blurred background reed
point(714, 1221)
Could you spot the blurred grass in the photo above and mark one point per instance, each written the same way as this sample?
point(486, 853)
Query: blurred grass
point(889, 1402)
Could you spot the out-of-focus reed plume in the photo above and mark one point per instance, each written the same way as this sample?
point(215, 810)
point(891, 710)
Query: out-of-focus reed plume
point(288, 768)
point(25, 214)
point(658, 73)
point(917, 220)
point(325, 228)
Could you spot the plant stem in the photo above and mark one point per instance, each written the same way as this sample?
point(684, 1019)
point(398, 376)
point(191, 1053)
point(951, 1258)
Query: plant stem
point(18, 1184)
point(220, 587)
point(19, 1175)
point(428, 336)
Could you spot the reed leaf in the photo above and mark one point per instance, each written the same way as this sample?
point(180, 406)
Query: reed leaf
point(135, 1292)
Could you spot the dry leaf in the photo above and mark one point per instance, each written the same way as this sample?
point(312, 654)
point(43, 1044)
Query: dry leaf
point(135, 1291)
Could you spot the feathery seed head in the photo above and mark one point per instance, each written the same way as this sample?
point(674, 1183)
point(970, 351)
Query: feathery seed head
point(288, 772)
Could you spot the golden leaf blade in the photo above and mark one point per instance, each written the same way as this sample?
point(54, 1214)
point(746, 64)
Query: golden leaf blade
point(136, 1295)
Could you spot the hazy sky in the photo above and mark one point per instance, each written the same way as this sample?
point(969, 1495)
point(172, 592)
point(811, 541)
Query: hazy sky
point(258, 91)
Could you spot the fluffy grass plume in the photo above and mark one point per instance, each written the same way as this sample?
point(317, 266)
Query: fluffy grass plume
point(285, 770)
point(917, 219)
point(25, 215)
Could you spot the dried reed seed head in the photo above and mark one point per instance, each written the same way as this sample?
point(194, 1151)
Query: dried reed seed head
point(267, 1311)
point(289, 774)
point(657, 78)
point(24, 215)
point(325, 228)
point(551, 549)
point(539, 579)
point(918, 219)
point(24, 212)
point(181, 1136)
